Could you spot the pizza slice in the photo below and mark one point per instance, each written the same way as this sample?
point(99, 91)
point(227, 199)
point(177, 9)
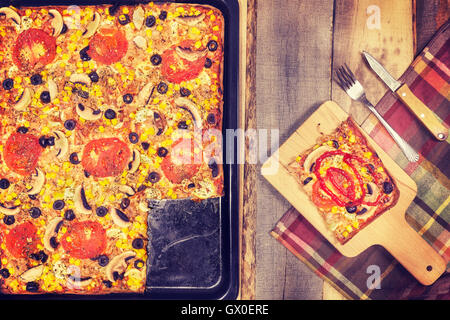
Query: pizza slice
point(346, 180)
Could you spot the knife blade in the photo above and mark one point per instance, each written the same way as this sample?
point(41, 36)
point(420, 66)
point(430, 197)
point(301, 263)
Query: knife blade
point(415, 105)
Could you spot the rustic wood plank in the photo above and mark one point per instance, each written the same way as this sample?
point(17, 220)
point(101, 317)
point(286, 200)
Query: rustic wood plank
point(430, 15)
point(383, 28)
point(248, 205)
point(292, 78)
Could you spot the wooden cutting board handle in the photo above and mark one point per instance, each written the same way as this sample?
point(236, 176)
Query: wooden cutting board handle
point(412, 251)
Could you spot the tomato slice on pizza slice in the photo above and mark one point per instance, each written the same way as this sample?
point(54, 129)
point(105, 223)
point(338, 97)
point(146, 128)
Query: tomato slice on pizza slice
point(21, 153)
point(320, 199)
point(183, 162)
point(108, 46)
point(84, 239)
point(34, 49)
point(22, 240)
point(178, 67)
point(105, 157)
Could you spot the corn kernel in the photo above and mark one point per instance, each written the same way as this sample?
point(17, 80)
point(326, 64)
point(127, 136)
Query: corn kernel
point(352, 139)
point(368, 154)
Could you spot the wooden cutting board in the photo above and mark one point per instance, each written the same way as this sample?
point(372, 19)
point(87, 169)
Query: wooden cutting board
point(390, 230)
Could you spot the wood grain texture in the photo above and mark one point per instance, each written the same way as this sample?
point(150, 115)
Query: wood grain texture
point(248, 260)
point(384, 28)
point(430, 15)
point(292, 79)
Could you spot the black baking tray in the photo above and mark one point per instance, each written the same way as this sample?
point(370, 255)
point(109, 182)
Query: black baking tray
point(194, 246)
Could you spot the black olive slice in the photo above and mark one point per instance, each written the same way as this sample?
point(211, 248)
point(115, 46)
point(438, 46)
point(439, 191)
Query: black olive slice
point(211, 118)
point(156, 59)
point(107, 283)
point(351, 209)
point(58, 204)
point(388, 187)
point(145, 145)
point(163, 15)
point(4, 183)
point(84, 55)
point(122, 215)
point(184, 92)
point(124, 203)
point(153, 177)
point(369, 189)
point(133, 137)
point(138, 264)
point(307, 180)
point(54, 243)
point(9, 220)
point(182, 125)
point(208, 63)
point(8, 84)
point(212, 45)
point(45, 97)
point(162, 88)
point(102, 260)
point(73, 158)
point(335, 144)
point(36, 79)
point(69, 215)
point(150, 21)
point(127, 98)
point(70, 124)
point(101, 211)
point(5, 273)
point(363, 210)
point(124, 19)
point(32, 286)
point(110, 114)
point(35, 212)
point(137, 243)
point(94, 76)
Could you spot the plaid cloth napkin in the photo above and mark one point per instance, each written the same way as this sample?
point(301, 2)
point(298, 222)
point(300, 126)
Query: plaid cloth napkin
point(429, 214)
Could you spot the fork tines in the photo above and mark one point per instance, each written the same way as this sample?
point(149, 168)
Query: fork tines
point(346, 78)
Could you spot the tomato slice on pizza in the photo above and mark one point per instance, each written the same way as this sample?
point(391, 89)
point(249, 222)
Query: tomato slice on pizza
point(176, 68)
point(34, 49)
point(22, 240)
point(108, 46)
point(21, 153)
point(105, 157)
point(319, 198)
point(84, 239)
point(183, 162)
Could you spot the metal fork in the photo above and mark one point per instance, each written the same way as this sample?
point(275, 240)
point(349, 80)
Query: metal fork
point(348, 82)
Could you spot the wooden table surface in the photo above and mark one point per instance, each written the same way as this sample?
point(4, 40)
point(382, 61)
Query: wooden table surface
point(291, 49)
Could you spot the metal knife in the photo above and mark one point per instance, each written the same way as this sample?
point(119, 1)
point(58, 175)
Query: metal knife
point(420, 110)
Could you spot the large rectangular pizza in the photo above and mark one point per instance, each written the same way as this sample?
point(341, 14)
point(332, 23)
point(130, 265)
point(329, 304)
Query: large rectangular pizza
point(102, 108)
point(346, 180)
